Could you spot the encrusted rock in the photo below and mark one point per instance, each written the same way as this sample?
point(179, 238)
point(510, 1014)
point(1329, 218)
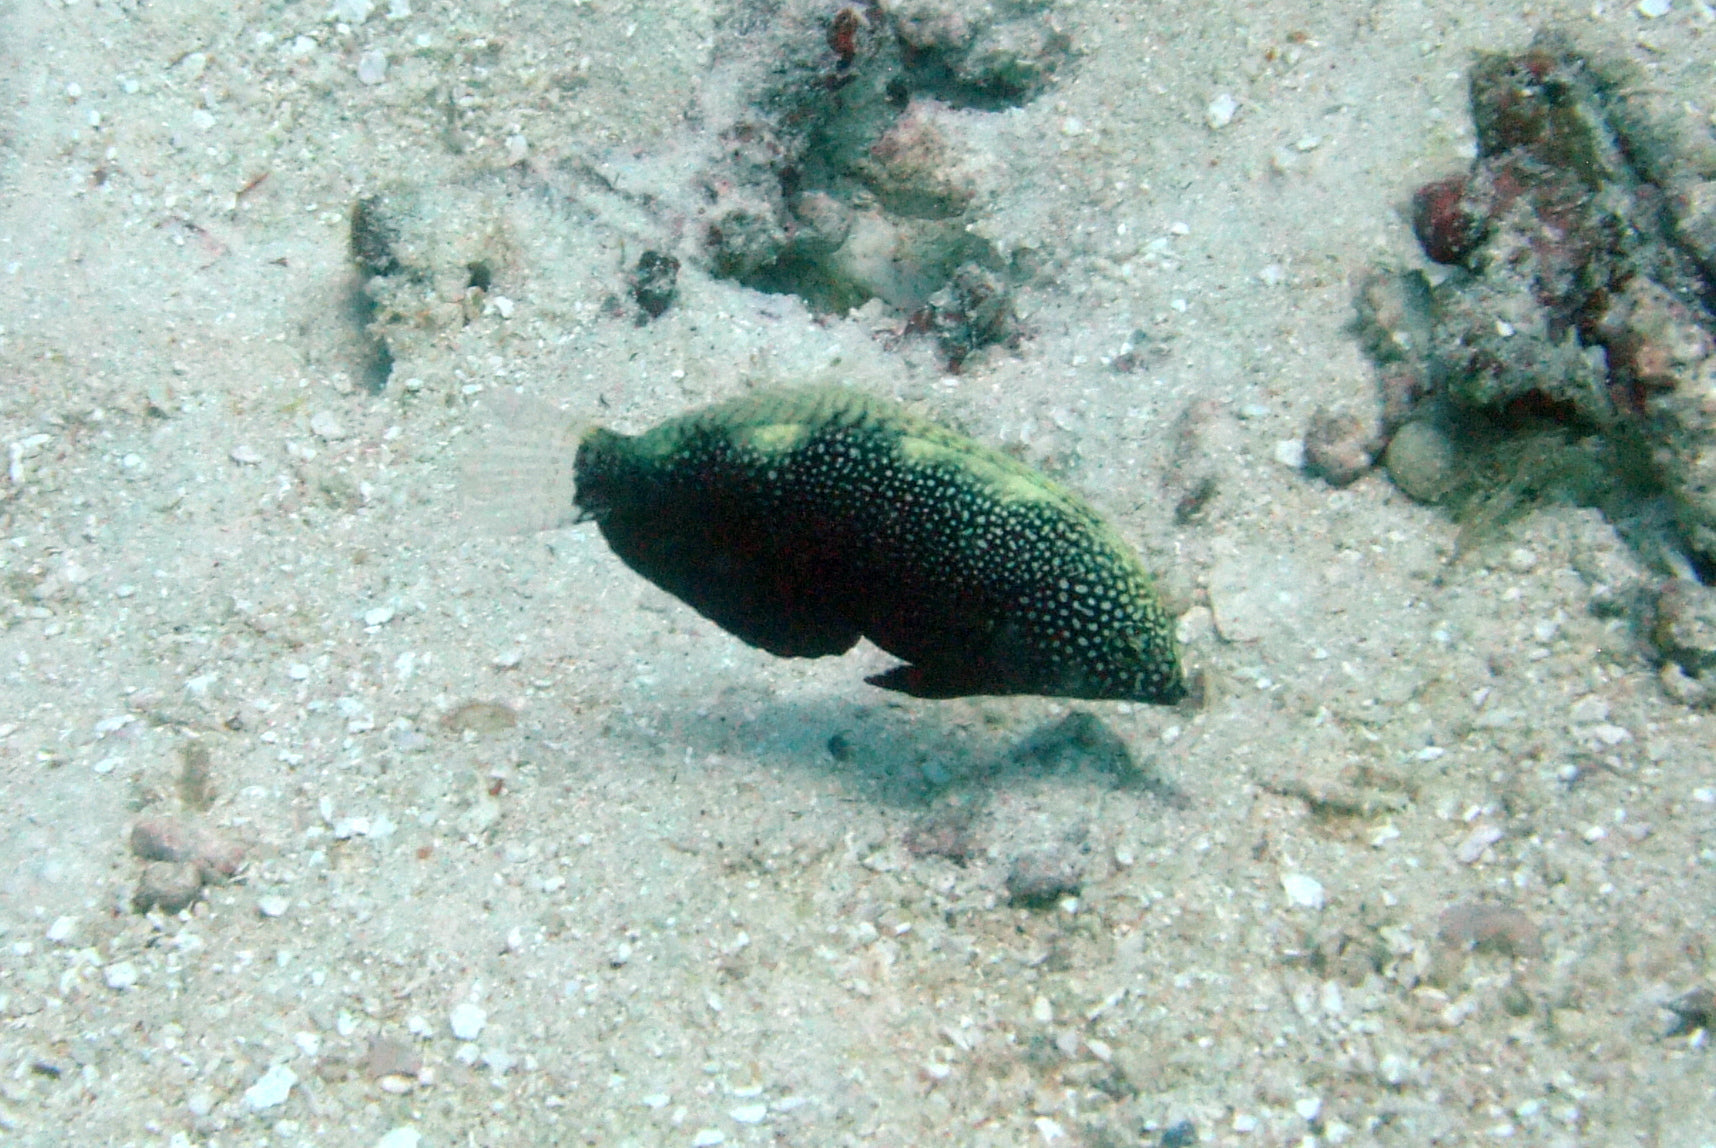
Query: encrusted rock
point(1685, 628)
point(1574, 348)
point(1420, 460)
point(912, 168)
point(1339, 446)
point(1694, 210)
point(1449, 226)
point(168, 886)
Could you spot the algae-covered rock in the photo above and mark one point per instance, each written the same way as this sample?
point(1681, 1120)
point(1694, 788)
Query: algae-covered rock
point(1420, 460)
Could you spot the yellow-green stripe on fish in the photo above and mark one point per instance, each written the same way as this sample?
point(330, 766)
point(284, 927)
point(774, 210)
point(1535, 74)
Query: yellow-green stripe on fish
point(802, 519)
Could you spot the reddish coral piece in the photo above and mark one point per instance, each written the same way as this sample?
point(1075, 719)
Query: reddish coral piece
point(843, 35)
point(1446, 227)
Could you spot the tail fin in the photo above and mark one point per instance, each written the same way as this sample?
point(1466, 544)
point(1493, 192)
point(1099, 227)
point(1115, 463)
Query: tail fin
point(519, 477)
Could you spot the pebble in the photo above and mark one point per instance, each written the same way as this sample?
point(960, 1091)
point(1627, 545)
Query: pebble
point(62, 930)
point(404, 1136)
point(21, 451)
point(378, 616)
point(271, 1088)
point(1394, 1070)
point(349, 827)
point(1221, 111)
point(1290, 453)
point(326, 425)
point(1611, 735)
point(121, 975)
point(1303, 890)
point(273, 905)
point(467, 1020)
point(750, 1113)
point(1589, 710)
point(246, 455)
point(372, 67)
point(1479, 839)
point(708, 1138)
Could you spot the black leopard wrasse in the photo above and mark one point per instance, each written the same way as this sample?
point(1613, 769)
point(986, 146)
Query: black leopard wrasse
point(802, 519)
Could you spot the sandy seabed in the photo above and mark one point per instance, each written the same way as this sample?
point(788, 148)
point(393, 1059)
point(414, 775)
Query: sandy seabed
point(491, 842)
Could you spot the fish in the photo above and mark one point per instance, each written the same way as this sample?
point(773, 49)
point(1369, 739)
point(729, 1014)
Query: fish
point(800, 519)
